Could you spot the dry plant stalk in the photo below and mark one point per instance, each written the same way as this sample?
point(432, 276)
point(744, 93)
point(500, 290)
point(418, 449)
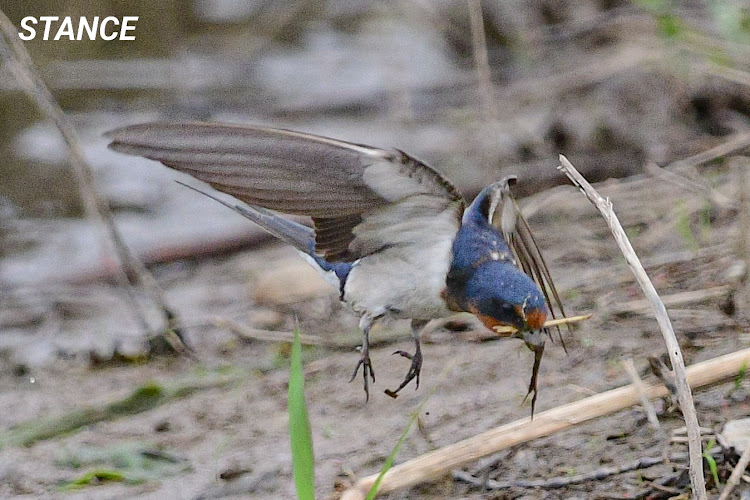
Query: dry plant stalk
point(645, 402)
point(734, 144)
point(737, 473)
point(436, 463)
point(684, 395)
point(510, 330)
point(481, 60)
point(730, 74)
point(560, 482)
point(247, 333)
point(130, 270)
point(741, 167)
point(675, 299)
point(682, 182)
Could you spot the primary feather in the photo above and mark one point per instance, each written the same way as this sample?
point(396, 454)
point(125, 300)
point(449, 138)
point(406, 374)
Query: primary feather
point(354, 193)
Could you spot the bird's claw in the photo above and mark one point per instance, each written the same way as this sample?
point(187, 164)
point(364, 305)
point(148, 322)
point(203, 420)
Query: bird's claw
point(413, 373)
point(366, 364)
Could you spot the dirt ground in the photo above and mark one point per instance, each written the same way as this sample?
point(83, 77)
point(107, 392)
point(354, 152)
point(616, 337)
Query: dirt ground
point(231, 441)
point(617, 86)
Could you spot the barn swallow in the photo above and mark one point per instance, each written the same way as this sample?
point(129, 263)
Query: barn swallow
point(392, 234)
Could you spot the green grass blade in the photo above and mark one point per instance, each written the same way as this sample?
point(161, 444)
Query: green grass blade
point(711, 461)
point(303, 460)
point(389, 461)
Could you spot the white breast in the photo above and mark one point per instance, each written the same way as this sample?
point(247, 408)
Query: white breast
point(405, 280)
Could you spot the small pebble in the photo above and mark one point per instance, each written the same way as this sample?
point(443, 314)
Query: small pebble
point(737, 434)
point(736, 271)
point(163, 426)
point(294, 281)
point(525, 459)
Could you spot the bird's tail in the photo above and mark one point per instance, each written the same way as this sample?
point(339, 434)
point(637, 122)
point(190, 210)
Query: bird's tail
point(299, 236)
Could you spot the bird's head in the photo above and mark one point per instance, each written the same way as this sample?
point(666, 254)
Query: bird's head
point(512, 298)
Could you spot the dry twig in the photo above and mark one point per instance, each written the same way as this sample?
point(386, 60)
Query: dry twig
point(247, 333)
point(673, 347)
point(683, 182)
point(436, 463)
point(675, 299)
point(663, 373)
point(561, 482)
point(736, 143)
point(737, 473)
point(486, 89)
point(638, 384)
point(741, 167)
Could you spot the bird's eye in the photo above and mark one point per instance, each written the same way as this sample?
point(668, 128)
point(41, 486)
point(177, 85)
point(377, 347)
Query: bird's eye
point(508, 308)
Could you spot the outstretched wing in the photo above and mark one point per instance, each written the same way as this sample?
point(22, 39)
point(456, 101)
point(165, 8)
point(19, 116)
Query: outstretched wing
point(361, 199)
point(505, 215)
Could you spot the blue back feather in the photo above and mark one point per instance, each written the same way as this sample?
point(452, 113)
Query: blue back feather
point(477, 280)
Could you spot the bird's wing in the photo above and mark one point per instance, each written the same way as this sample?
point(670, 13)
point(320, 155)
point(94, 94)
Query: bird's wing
point(505, 215)
point(360, 198)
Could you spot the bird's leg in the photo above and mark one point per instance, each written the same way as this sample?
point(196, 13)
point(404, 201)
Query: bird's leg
point(364, 358)
point(416, 359)
point(535, 342)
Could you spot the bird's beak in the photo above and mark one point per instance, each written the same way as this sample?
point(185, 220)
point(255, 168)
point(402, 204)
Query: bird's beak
point(534, 318)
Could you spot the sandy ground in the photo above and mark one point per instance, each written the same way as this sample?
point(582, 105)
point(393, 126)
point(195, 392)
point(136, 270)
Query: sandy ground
point(232, 442)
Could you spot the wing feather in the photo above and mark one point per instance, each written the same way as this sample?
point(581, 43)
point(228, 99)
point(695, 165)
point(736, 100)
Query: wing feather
point(505, 214)
point(360, 198)
point(333, 236)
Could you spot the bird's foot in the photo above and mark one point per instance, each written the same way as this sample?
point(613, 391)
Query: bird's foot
point(537, 347)
point(414, 370)
point(366, 364)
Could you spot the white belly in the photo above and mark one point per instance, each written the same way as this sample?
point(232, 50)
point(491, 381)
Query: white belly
point(401, 284)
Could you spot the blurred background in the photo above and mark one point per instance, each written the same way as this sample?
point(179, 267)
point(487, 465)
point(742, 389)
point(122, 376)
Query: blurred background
point(477, 89)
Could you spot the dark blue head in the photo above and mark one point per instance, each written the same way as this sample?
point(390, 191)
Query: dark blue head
point(483, 278)
point(499, 294)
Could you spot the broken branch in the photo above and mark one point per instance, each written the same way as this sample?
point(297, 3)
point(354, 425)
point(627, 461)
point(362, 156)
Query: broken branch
point(685, 397)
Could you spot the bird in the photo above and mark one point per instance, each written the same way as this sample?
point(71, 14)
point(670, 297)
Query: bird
point(393, 235)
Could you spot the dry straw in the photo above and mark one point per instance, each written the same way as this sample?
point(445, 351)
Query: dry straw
point(684, 395)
